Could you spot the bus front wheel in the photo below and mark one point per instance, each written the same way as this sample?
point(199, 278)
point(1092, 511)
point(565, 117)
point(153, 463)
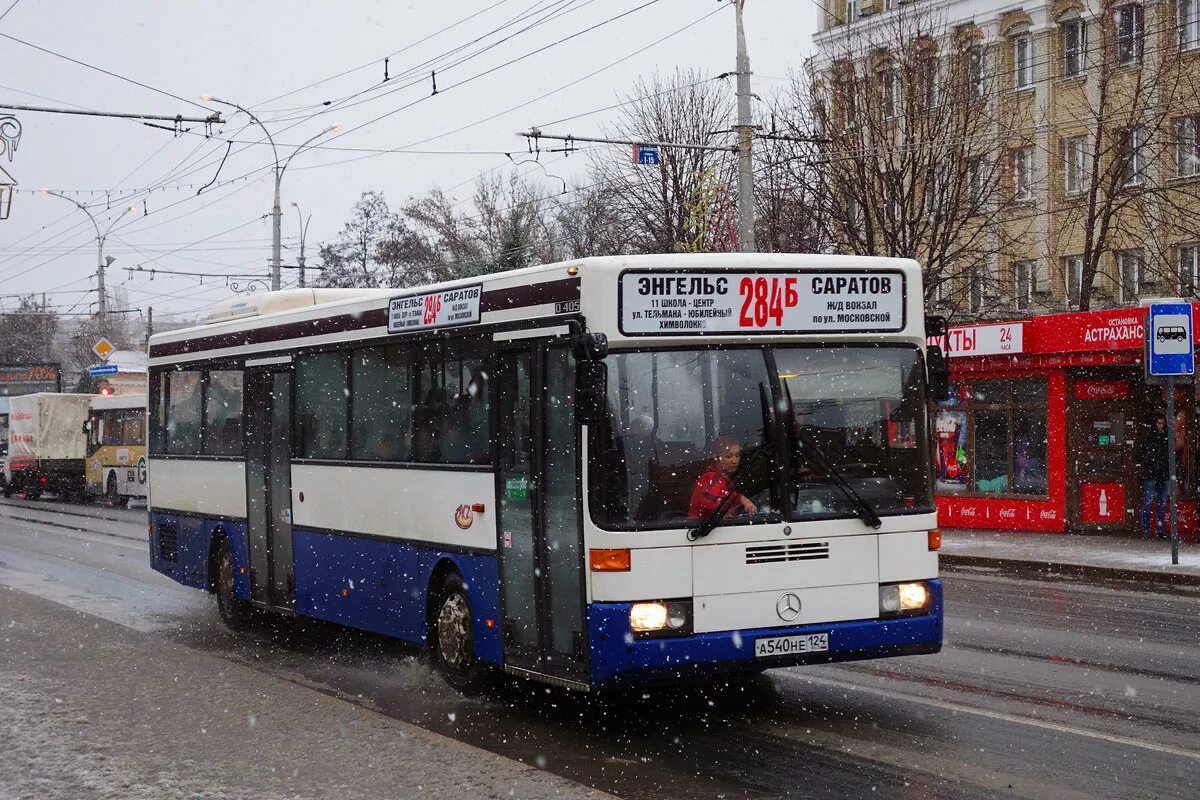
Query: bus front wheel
point(451, 639)
point(234, 611)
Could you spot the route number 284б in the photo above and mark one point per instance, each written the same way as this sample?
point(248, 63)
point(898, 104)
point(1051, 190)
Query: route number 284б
point(764, 299)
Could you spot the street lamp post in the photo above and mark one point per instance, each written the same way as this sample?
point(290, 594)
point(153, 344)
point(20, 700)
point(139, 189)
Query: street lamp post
point(101, 262)
point(303, 232)
point(276, 211)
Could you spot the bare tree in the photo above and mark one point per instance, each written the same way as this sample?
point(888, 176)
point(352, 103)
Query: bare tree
point(898, 133)
point(1125, 134)
point(350, 260)
point(588, 224)
point(27, 331)
point(656, 207)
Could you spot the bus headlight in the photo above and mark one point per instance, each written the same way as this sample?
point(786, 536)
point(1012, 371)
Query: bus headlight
point(913, 596)
point(903, 598)
point(646, 617)
point(667, 617)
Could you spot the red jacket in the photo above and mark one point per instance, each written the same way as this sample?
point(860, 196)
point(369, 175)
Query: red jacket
point(711, 488)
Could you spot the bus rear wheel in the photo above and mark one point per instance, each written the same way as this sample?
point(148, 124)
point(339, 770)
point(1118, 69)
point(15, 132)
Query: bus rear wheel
point(110, 492)
point(234, 611)
point(451, 639)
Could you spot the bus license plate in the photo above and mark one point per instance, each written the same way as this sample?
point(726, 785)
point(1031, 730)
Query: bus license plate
point(791, 645)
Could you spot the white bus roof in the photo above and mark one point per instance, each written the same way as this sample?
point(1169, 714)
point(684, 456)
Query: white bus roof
point(283, 321)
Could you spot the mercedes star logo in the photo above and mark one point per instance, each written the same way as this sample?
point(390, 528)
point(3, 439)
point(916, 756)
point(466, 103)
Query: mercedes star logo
point(788, 606)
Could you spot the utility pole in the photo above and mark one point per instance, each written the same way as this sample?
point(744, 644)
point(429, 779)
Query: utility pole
point(276, 211)
point(149, 324)
point(303, 232)
point(101, 262)
point(745, 131)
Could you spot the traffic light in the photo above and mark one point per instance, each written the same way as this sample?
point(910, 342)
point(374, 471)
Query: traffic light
point(105, 390)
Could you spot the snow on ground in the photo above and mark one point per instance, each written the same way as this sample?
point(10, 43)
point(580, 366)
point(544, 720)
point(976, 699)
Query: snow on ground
point(53, 752)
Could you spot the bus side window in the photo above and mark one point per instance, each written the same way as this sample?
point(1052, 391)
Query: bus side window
point(321, 405)
point(465, 427)
point(429, 393)
point(182, 426)
point(223, 413)
point(381, 404)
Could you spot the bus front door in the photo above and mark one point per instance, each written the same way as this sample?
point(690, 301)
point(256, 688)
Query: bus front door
point(540, 535)
point(268, 405)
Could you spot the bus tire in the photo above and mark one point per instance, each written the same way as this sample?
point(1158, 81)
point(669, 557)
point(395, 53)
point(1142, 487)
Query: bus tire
point(234, 611)
point(451, 641)
point(115, 500)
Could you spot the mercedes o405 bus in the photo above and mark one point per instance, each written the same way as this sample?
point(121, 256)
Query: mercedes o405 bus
point(601, 472)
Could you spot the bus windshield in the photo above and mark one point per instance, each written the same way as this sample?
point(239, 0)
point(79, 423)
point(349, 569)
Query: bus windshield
point(844, 421)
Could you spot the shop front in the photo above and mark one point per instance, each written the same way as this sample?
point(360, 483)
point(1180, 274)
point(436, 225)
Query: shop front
point(1040, 432)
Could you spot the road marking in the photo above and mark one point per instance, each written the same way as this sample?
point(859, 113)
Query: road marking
point(947, 705)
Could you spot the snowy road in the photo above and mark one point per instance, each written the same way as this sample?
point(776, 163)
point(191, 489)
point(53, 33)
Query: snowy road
point(1044, 690)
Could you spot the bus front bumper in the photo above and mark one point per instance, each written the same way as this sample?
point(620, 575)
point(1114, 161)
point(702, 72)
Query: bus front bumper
point(618, 656)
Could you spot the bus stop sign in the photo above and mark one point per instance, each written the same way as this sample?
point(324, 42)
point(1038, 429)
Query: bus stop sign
point(1169, 339)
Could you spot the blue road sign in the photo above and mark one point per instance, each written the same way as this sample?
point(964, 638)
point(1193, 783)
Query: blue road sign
point(96, 370)
point(646, 155)
point(1169, 339)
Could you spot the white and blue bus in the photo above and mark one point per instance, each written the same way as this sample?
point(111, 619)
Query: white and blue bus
point(601, 472)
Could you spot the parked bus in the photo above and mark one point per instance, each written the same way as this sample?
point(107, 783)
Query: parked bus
point(606, 471)
point(116, 448)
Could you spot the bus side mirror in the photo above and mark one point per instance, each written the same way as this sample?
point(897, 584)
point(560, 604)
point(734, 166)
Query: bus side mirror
point(590, 346)
point(87, 426)
point(939, 373)
point(591, 384)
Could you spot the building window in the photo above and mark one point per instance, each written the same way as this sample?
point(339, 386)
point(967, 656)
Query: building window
point(1189, 269)
point(977, 288)
point(1189, 24)
point(976, 68)
point(889, 5)
point(1074, 163)
point(1131, 271)
point(1187, 147)
point(1026, 283)
point(991, 439)
point(935, 191)
point(1133, 152)
point(1130, 34)
point(1023, 60)
point(975, 178)
point(851, 10)
point(929, 77)
point(1023, 174)
point(1074, 47)
point(1072, 267)
point(889, 85)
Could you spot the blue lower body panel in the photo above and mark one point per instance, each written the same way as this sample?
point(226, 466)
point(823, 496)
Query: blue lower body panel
point(382, 586)
point(180, 546)
point(618, 656)
point(376, 585)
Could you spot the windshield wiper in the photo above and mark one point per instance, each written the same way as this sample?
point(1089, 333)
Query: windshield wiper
point(817, 456)
point(710, 522)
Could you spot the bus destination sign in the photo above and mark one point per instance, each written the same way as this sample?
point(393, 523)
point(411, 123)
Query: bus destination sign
point(435, 310)
point(664, 303)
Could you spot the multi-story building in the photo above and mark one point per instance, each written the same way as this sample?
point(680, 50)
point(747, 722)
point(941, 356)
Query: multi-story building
point(1084, 123)
point(1042, 159)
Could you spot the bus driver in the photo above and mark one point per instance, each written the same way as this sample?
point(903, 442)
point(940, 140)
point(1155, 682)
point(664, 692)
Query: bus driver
point(715, 483)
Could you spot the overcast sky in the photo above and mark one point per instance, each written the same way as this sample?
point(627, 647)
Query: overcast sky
point(266, 56)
